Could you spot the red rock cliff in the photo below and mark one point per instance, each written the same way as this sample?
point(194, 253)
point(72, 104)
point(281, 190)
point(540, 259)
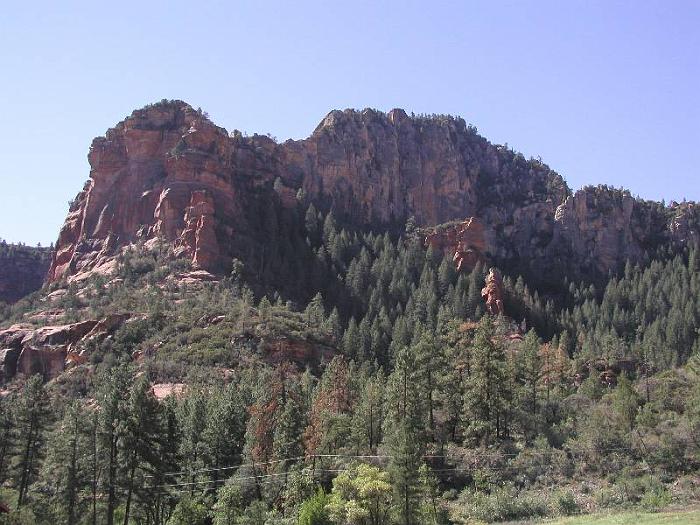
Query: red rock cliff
point(167, 172)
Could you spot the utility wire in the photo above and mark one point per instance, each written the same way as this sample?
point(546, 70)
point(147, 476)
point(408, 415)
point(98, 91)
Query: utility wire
point(371, 456)
point(368, 456)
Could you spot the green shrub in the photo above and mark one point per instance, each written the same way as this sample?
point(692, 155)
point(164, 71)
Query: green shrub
point(313, 510)
point(189, 511)
point(502, 504)
point(21, 516)
point(656, 498)
point(565, 504)
point(628, 491)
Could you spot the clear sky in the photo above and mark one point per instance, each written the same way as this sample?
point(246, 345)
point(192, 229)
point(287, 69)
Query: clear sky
point(603, 91)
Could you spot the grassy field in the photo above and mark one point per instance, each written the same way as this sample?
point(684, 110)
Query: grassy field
point(679, 517)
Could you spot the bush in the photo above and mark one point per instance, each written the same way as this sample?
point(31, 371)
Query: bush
point(565, 504)
point(189, 511)
point(313, 510)
point(21, 516)
point(502, 504)
point(628, 491)
point(656, 498)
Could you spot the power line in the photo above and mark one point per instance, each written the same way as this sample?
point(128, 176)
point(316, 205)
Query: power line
point(372, 456)
point(235, 478)
point(379, 456)
point(255, 464)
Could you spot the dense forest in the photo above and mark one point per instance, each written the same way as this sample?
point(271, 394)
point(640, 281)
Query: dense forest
point(342, 376)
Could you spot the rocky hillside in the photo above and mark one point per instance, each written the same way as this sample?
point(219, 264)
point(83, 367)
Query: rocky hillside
point(167, 172)
point(22, 270)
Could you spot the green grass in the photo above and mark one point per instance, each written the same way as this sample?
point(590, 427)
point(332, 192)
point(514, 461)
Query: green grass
point(680, 517)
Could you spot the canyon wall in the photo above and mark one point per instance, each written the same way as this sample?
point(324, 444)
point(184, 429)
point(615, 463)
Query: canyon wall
point(167, 173)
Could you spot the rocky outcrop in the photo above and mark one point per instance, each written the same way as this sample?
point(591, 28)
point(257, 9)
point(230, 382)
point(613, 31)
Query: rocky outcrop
point(299, 351)
point(467, 243)
point(685, 223)
point(162, 391)
point(48, 350)
point(167, 173)
point(492, 293)
point(22, 270)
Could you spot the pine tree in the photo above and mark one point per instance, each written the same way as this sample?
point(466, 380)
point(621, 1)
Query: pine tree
point(529, 374)
point(430, 365)
point(287, 440)
point(32, 419)
point(368, 414)
point(487, 388)
point(311, 224)
point(328, 416)
point(142, 439)
point(404, 434)
point(193, 420)
point(315, 312)
point(352, 344)
point(67, 465)
point(7, 434)
point(112, 396)
point(224, 431)
point(625, 402)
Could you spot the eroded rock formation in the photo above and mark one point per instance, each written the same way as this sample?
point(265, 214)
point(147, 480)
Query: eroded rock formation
point(48, 350)
point(168, 173)
point(468, 242)
point(492, 293)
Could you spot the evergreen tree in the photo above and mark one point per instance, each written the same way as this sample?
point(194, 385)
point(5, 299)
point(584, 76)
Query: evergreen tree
point(66, 468)
point(404, 431)
point(486, 392)
point(430, 365)
point(193, 421)
point(224, 431)
point(529, 373)
point(32, 419)
point(112, 397)
point(141, 441)
point(625, 402)
point(229, 504)
point(7, 434)
point(287, 440)
point(368, 414)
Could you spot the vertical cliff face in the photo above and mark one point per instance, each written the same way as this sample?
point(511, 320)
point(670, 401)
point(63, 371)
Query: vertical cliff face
point(167, 173)
point(382, 168)
point(22, 270)
point(163, 173)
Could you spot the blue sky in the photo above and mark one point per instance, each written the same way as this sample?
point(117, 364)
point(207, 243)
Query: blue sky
point(603, 91)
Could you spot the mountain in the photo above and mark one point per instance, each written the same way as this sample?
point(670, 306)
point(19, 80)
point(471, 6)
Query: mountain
point(230, 328)
point(22, 270)
point(168, 173)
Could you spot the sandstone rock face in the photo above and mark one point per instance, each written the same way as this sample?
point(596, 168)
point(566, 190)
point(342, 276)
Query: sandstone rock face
point(492, 293)
point(47, 351)
point(22, 270)
point(168, 173)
